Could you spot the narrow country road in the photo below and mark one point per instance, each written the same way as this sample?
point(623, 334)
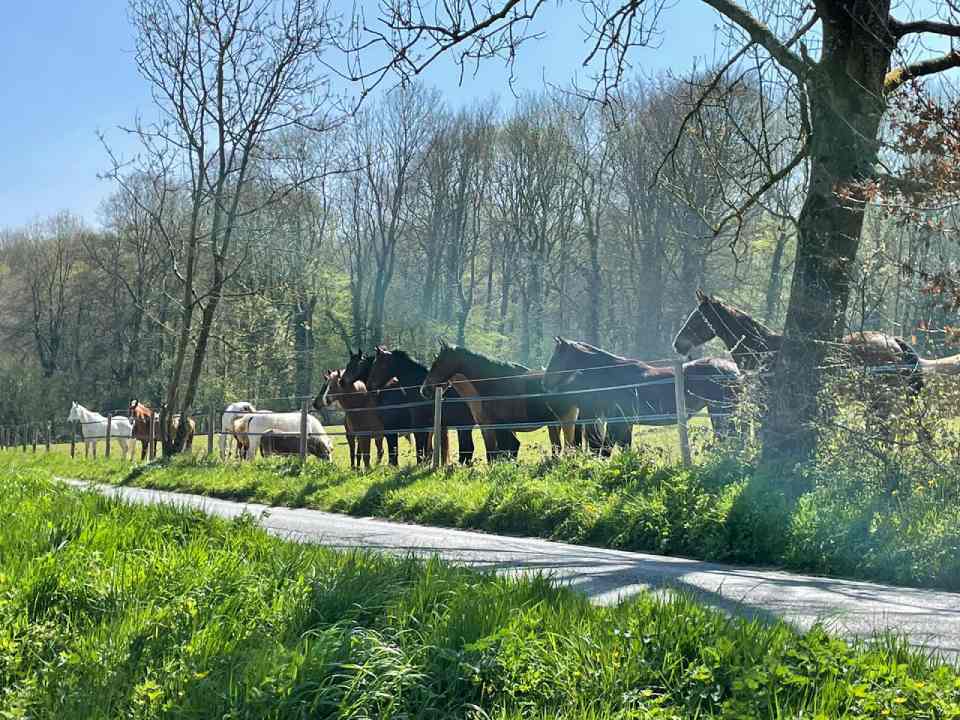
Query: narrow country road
point(929, 618)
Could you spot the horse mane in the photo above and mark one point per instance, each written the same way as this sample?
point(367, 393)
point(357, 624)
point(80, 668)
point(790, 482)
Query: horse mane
point(606, 355)
point(404, 357)
point(751, 328)
point(504, 368)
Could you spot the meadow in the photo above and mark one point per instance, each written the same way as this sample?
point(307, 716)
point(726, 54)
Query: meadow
point(109, 610)
point(875, 520)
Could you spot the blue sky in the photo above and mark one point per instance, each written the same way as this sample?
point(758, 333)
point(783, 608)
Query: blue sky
point(67, 72)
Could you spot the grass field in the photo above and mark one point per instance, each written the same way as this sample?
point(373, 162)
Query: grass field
point(662, 442)
point(108, 610)
point(850, 524)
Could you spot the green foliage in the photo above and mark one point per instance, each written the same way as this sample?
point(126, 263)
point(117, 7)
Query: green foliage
point(107, 610)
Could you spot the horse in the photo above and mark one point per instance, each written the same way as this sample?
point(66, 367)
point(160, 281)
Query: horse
point(396, 393)
point(948, 366)
point(754, 347)
point(636, 390)
point(361, 421)
point(272, 443)
point(260, 423)
point(230, 413)
point(410, 374)
point(395, 420)
point(93, 426)
point(477, 377)
point(142, 416)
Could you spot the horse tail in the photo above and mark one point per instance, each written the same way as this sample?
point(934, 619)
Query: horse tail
point(910, 359)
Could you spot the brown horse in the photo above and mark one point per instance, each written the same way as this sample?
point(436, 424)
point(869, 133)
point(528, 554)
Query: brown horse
point(360, 420)
point(142, 417)
point(638, 392)
point(754, 347)
point(475, 377)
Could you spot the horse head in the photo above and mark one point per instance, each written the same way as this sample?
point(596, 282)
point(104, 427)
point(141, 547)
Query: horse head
point(565, 365)
point(696, 330)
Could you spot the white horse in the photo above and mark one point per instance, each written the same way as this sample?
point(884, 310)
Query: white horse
point(231, 413)
point(288, 422)
point(93, 427)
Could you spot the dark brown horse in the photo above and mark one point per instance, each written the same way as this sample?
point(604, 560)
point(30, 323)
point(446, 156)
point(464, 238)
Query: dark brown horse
point(361, 421)
point(142, 417)
point(754, 347)
point(475, 376)
point(408, 374)
point(638, 392)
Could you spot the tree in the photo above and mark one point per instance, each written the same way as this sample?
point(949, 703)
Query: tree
point(842, 96)
point(225, 76)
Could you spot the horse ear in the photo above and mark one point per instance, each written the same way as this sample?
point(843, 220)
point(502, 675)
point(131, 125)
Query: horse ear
point(444, 345)
point(701, 295)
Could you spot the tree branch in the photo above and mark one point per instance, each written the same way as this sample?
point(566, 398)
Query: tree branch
point(898, 76)
point(761, 35)
point(899, 29)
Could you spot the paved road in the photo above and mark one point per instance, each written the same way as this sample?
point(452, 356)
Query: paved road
point(931, 619)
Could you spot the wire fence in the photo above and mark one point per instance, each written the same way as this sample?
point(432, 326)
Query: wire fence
point(304, 434)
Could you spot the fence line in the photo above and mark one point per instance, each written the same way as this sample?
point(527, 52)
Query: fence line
point(30, 433)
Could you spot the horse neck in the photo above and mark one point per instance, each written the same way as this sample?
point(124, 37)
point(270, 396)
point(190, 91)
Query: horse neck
point(475, 366)
point(87, 416)
point(744, 335)
point(408, 371)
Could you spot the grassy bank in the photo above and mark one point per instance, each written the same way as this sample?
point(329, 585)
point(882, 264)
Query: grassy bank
point(108, 610)
point(850, 525)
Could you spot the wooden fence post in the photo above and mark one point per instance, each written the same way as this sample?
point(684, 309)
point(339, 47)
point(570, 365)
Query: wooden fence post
point(437, 427)
point(304, 407)
point(106, 453)
point(211, 423)
point(49, 433)
point(73, 440)
point(681, 396)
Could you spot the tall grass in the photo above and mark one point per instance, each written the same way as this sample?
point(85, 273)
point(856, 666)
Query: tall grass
point(108, 610)
point(879, 521)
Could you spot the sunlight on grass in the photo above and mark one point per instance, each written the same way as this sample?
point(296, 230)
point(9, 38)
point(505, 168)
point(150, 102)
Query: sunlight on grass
point(108, 610)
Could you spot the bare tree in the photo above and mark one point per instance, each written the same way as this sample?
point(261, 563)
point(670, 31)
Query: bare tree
point(225, 75)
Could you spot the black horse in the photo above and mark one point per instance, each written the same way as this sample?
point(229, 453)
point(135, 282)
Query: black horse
point(397, 377)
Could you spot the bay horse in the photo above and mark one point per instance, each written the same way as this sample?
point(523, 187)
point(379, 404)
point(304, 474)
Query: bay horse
point(754, 347)
point(142, 416)
point(395, 420)
point(410, 375)
point(475, 377)
point(361, 421)
point(644, 394)
point(93, 427)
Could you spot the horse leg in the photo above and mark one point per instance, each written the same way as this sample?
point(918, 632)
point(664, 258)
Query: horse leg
point(378, 440)
point(393, 452)
point(352, 444)
point(363, 451)
point(253, 444)
point(555, 446)
point(490, 440)
point(465, 446)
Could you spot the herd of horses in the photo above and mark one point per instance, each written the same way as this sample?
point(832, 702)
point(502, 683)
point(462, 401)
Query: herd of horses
point(586, 396)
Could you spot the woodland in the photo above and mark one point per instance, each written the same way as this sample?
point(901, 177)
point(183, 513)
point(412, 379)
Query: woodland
point(269, 226)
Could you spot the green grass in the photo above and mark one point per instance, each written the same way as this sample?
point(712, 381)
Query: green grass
point(893, 519)
point(108, 610)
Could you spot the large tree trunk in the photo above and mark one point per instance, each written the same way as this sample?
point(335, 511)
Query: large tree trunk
point(846, 105)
